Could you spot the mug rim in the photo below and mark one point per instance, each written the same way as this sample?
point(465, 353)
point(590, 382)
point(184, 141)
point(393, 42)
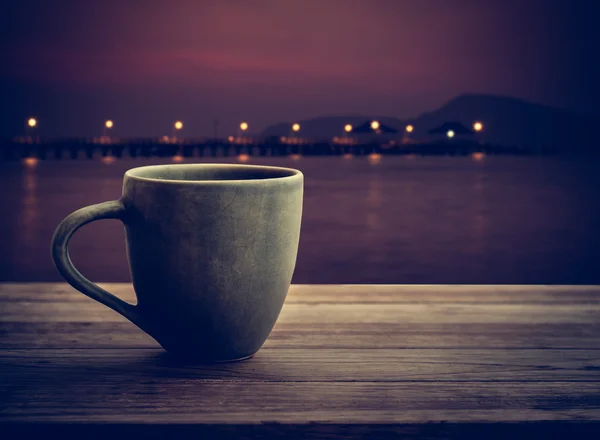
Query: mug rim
point(293, 173)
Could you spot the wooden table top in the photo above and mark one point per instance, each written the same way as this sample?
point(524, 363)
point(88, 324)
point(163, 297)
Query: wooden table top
point(343, 361)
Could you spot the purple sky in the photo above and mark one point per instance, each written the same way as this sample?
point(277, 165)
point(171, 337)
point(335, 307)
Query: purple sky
point(144, 64)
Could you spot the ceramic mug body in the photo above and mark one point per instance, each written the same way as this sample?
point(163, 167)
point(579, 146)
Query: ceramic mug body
point(211, 249)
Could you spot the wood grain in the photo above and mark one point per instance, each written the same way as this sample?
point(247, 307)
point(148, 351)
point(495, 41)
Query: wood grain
point(442, 430)
point(373, 361)
point(192, 401)
point(372, 431)
point(88, 335)
point(46, 315)
point(306, 365)
point(350, 293)
point(390, 313)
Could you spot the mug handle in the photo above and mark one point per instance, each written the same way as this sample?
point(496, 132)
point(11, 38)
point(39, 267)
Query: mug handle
point(60, 256)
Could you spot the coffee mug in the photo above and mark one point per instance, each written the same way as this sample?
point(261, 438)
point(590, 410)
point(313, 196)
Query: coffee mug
point(211, 250)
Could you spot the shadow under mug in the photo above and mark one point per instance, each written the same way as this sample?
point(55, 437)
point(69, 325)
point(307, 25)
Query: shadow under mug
point(211, 250)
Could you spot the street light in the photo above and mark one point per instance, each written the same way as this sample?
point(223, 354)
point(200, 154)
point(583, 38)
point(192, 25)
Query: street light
point(347, 128)
point(375, 125)
point(450, 134)
point(178, 125)
point(477, 126)
point(296, 127)
point(409, 128)
point(244, 126)
point(107, 126)
point(30, 130)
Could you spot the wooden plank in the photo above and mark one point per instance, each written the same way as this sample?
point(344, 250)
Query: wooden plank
point(304, 294)
point(98, 399)
point(53, 335)
point(305, 365)
point(292, 313)
point(402, 357)
point(77, 322)
point(430, 431)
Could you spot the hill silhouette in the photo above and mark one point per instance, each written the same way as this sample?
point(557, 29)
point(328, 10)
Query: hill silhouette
point(507, 122)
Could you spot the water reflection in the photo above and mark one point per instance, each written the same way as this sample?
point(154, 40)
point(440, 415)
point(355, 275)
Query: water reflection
point(30, 162)
point(374, 158)
point(243, 157)
point(107, 160)
point(295, 156)
point(373, 219)
point(29, 215)
point(430, 220)
point(479, 218)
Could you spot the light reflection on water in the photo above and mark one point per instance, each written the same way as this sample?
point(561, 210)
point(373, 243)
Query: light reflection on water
point(30, 162)
point(373, 220)
point(374, 158)
point(29, 214)
point(108, 160)
point(479, 218)
point(406, 220)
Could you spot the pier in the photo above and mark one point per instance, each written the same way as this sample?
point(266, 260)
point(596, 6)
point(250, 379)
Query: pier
point(85, 149)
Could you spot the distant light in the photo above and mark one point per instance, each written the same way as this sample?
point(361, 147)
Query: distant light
point(477, 126)
point(347, 128)
point(108, 124)
point(32, 122)
point(409, 128)
point(282, 139)
point(178, 158)
point(296, 127)
point(450, 134)
point(230, 138)
point(347, 156)
point(375, 125)
point(30, 162)
point(295, 156)
point(244, 126)
point(243, 157)
point(178, 125)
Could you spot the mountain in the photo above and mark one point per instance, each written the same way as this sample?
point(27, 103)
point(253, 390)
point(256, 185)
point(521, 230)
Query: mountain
point(507, 122)
point(515, 122)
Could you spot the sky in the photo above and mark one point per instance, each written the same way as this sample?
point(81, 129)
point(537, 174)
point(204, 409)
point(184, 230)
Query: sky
point(146, 63)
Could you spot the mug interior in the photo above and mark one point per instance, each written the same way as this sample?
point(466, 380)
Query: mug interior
point(209, 172)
